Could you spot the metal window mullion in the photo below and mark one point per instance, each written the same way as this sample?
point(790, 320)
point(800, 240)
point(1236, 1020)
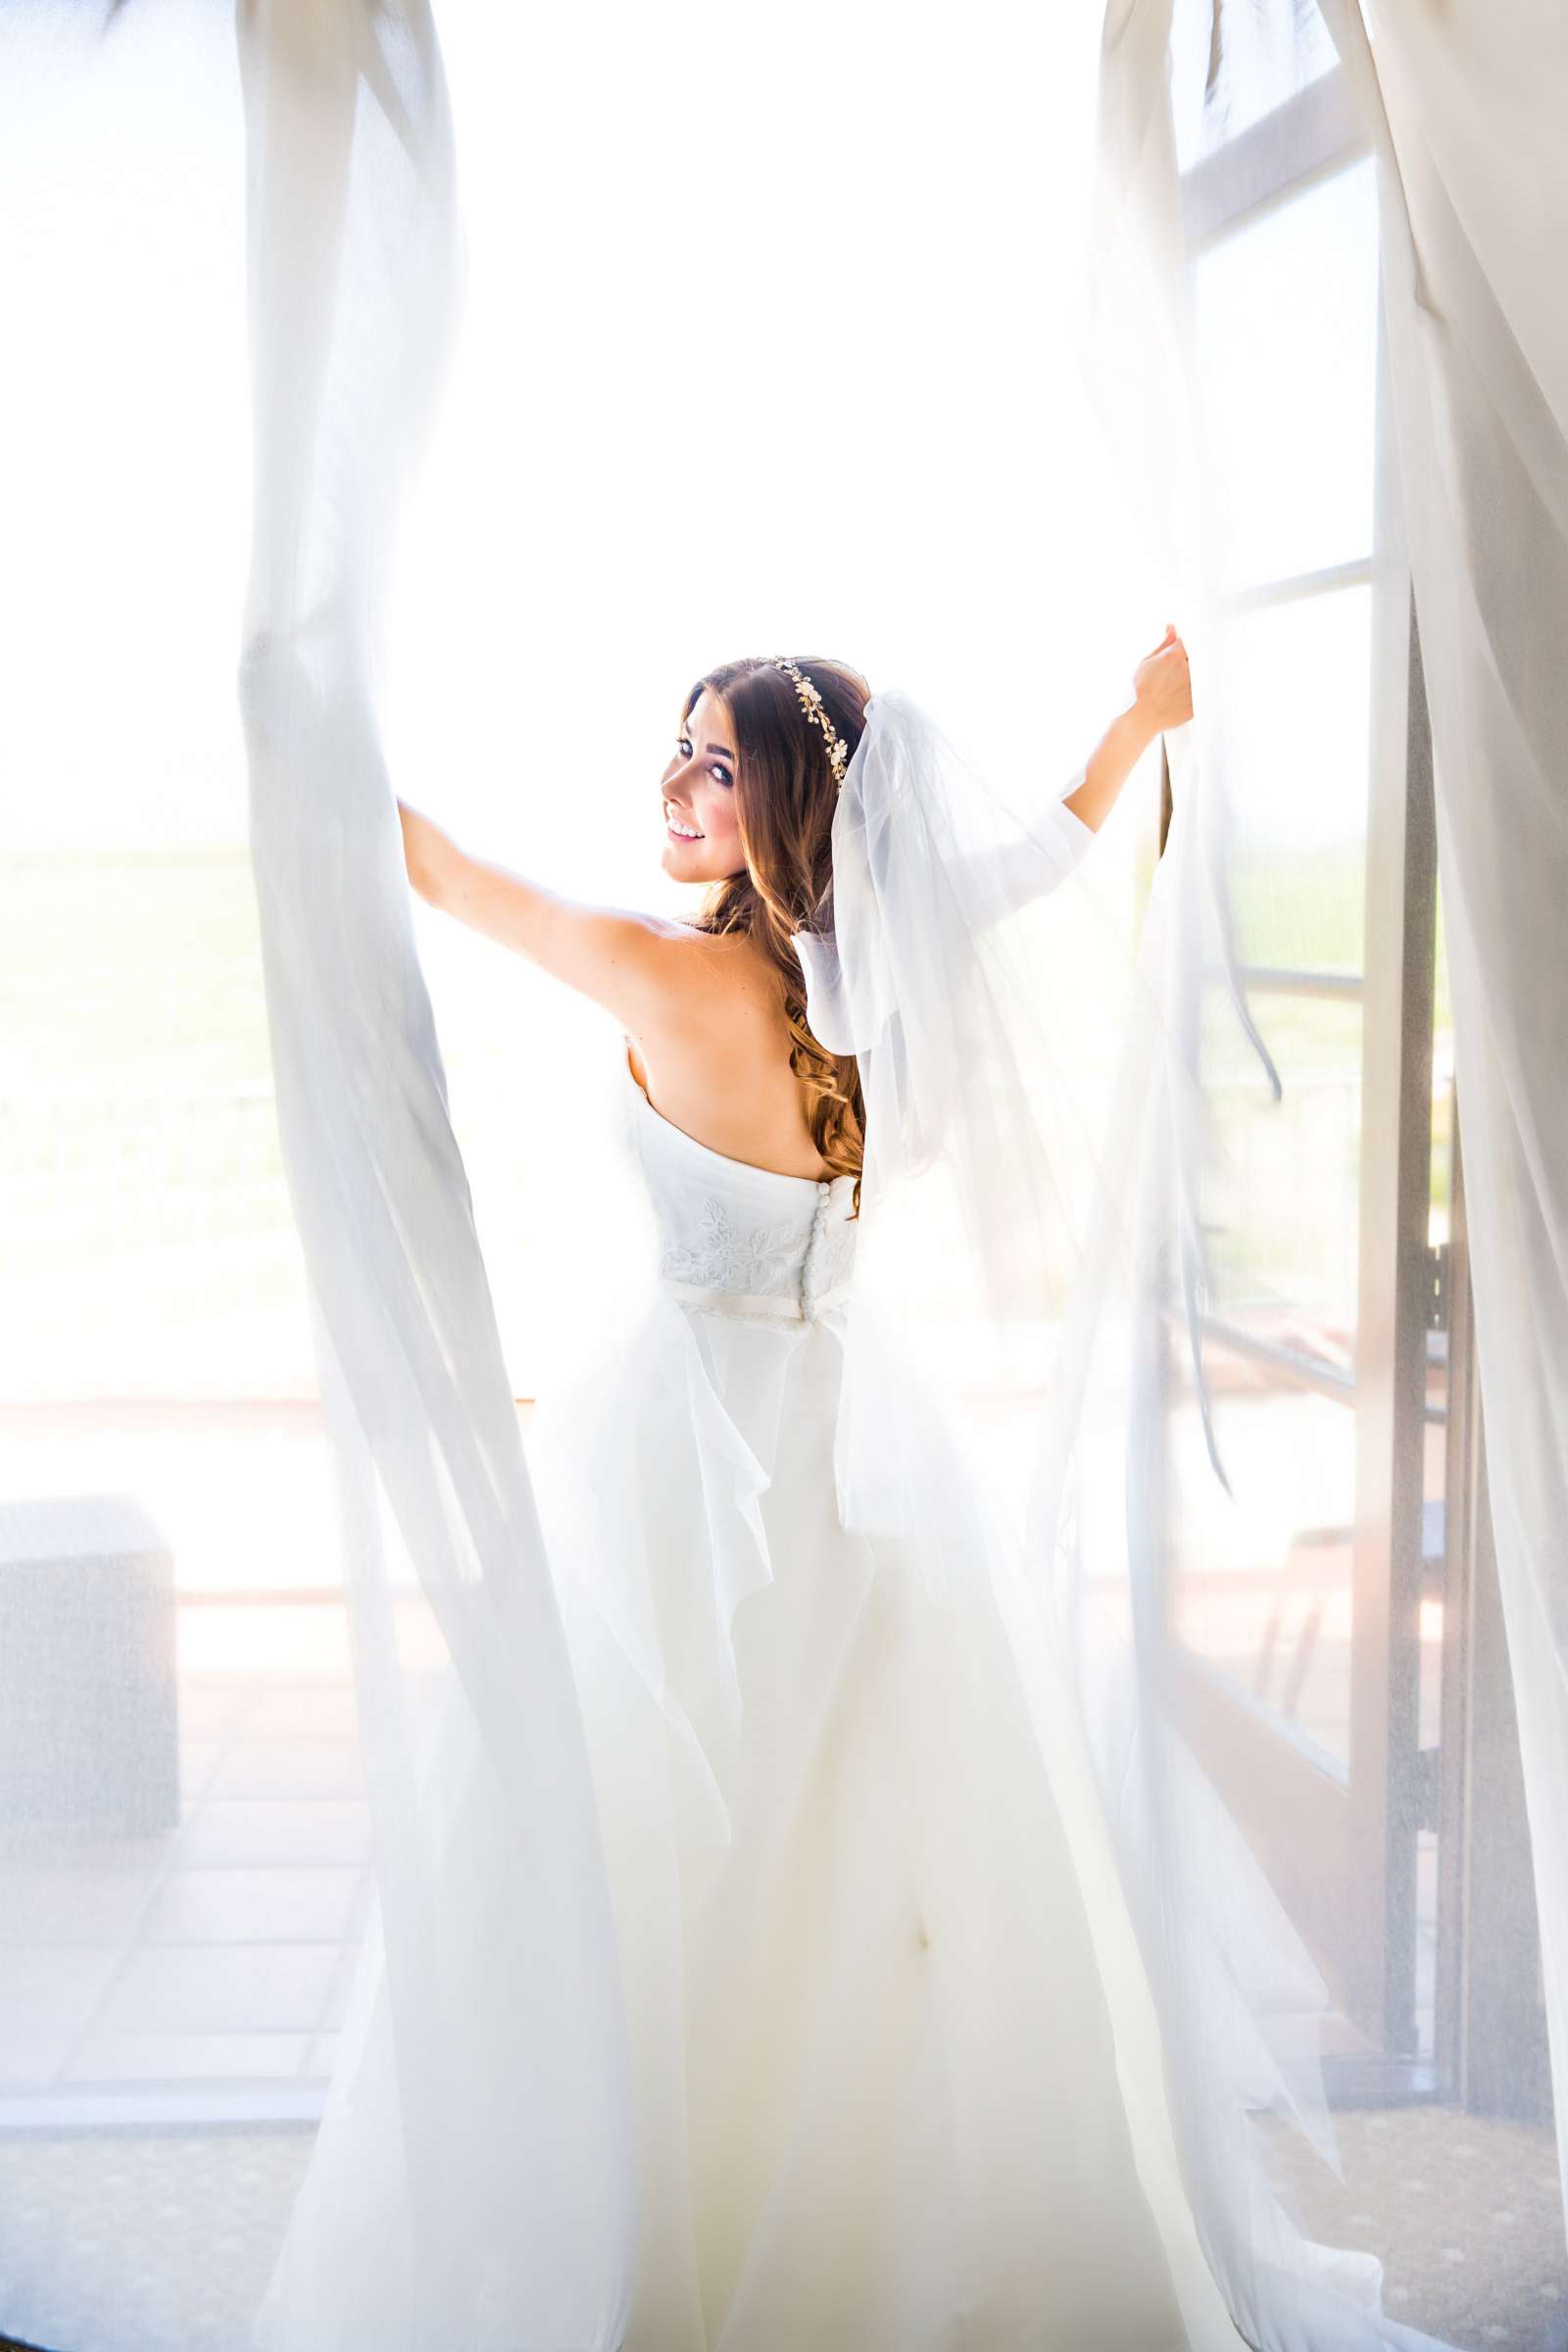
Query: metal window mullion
point(1308, 139)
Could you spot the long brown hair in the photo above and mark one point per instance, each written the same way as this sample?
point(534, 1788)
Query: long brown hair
point(785, 797)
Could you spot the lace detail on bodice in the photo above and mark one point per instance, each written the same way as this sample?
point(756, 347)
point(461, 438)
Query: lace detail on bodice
point(743, 1241)
point(723, 1252)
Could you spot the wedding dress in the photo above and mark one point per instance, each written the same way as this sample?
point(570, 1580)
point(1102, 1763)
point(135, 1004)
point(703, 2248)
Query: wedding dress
point(875, 2092)
point(875, 2089)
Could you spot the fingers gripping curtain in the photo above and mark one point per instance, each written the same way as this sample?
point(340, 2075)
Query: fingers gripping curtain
point(514, 2221)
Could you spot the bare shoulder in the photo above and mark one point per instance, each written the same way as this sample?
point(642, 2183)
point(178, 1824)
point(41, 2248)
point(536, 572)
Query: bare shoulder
point(725, 975)
point(715, 1017)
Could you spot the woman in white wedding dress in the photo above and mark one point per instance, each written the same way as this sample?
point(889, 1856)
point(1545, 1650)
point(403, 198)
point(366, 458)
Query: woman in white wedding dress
point(875, 2080)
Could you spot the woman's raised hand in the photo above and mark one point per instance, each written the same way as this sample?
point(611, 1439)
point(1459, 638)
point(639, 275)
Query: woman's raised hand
point(1162, 685)
point(1162, 698)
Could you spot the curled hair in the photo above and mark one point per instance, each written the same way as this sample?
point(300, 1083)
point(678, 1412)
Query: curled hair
point(785, 797)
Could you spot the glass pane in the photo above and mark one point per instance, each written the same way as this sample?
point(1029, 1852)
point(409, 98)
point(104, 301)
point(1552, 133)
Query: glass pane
point(1280, 1202)
point(148, 1247)
point(1294, 757)
point(1285, 326)
point(1264, 1588)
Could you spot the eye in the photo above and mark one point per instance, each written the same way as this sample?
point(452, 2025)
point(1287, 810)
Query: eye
point(720, 775)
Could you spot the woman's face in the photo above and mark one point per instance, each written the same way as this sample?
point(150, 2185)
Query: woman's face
point(702, 832)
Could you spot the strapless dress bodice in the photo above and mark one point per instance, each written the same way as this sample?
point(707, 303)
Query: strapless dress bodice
point(738, 1240)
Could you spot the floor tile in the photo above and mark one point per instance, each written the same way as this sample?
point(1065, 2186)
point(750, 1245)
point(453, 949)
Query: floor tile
point(260, 1831)
point(320, 2056)
point(198, 1761)
point(303, 1712)
point(210, 1708)
point(220, 1988)
point(28, 2061)
point(51, 1989)
point(298, 1905)
point(188, 2057)
point(341, 1991)
point(71, 1907)
point(291, 1768)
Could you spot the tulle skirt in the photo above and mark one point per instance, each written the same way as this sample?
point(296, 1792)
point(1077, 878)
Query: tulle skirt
point(878, 2097)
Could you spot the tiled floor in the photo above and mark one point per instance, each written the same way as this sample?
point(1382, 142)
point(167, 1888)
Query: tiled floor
point(196, 1980)
point(199, 1975)
point(192, 1983)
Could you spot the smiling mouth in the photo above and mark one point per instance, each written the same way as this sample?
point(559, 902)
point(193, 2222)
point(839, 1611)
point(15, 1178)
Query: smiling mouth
point(679, 832)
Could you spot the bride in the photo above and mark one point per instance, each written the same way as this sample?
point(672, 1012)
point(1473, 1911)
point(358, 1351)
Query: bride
point(880, 2099)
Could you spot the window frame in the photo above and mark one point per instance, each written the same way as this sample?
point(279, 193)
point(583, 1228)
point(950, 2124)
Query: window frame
point(1352, 1826)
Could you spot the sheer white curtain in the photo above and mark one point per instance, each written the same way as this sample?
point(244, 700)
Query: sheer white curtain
point(1474, 212)
point(475, 1766)
point(1223, 131)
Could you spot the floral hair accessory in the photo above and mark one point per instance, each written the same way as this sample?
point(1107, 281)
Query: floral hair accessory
point(811, 703)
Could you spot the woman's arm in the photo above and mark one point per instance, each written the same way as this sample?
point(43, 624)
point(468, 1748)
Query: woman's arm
point(1003, 881)
point(1162, 698)
point(626, 962)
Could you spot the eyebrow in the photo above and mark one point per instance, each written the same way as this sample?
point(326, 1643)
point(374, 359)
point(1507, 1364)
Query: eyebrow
point(722, 750)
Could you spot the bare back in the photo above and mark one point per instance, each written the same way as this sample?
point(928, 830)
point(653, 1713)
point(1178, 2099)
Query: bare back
point(714, 1060)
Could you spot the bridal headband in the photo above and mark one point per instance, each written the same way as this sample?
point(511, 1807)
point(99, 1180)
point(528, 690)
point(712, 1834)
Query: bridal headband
point(811, 703)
